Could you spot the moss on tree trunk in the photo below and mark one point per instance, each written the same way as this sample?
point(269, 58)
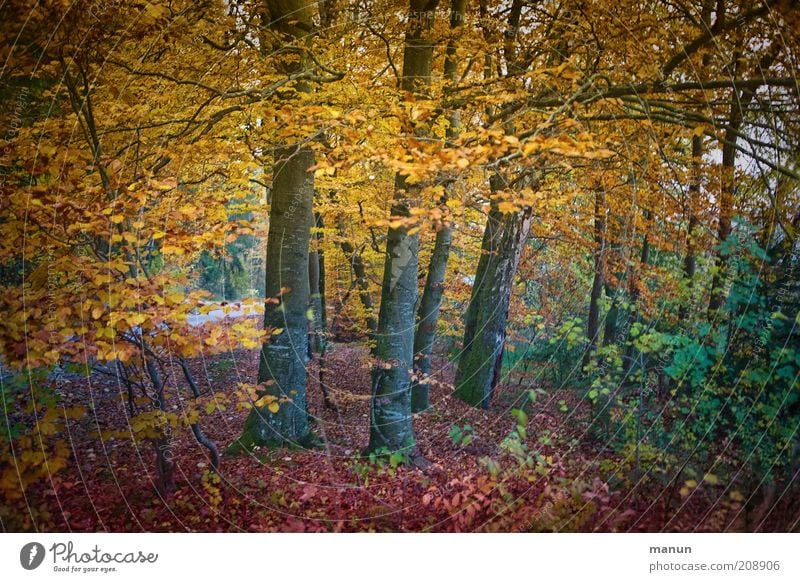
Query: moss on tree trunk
point(485, 325)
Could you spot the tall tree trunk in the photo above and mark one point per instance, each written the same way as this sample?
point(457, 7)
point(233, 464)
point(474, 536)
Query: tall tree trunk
point(316, 284)
point(284, 357)
point(740, 101)
point(427, 319)
point(481, 360)
point(633, 292)
point(318, 342)
point(390, 418)
point(428, 312)
point(485, 325)
point(593, 321)
point(690, 261)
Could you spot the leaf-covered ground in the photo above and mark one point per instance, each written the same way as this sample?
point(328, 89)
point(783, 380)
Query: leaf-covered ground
point(562, 483)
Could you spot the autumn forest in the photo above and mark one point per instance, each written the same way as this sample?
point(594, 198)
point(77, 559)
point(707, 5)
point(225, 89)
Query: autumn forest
point(399, 266)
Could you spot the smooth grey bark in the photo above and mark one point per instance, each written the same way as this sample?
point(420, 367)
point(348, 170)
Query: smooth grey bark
point(427, 319)
point(284, 356)
point(282, 365)
point(390, 417)
point(428, 311)
point(504, 237)
point(481, 358)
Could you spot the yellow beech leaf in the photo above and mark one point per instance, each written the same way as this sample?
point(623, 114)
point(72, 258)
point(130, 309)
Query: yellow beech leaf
point(165, 184)
point(737, 496)
point(174, 297)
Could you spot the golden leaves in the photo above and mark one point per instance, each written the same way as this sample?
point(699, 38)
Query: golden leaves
point(163, 185)
point(269, 402)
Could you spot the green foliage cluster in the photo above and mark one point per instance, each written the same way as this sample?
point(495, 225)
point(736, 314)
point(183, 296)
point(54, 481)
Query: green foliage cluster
point(693, 392)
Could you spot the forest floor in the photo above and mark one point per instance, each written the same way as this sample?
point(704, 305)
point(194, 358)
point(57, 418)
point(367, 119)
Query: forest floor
point(562, 482)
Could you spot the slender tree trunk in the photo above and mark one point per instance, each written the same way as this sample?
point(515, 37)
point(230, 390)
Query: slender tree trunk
point(612, 318)
point(633, 292)
point(359, 270)
point(428, 317)
point(481, 358)
point(724, 226)
point(318, 342)
point(323, 303)
point(316, 273)
point(428, 312)
point(739, 103)
point(689, 261)
point(593, 321)
point(165, 467)
point(390, 418)
point(313, 313)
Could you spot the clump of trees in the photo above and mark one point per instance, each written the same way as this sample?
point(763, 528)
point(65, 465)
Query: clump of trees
point(602, 194)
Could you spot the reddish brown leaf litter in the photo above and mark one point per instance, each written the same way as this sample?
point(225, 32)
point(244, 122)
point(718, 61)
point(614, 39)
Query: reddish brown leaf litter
point(109, 486)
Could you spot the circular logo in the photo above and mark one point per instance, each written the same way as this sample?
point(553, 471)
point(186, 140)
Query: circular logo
point(31, 555)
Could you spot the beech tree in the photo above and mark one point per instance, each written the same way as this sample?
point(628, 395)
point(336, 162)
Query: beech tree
point(390, 418)
point(428, 312)
point(592, 203)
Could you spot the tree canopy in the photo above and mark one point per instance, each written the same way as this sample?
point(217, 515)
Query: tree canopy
point(514, 254)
